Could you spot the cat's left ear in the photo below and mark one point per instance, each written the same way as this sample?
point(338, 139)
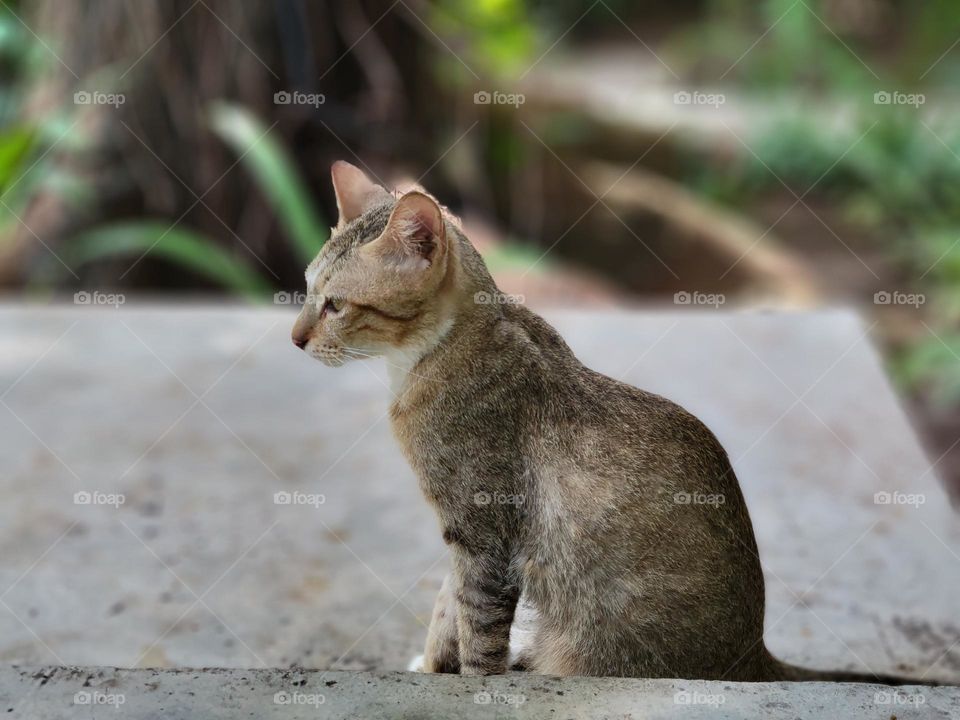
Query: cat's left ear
point(415, 236)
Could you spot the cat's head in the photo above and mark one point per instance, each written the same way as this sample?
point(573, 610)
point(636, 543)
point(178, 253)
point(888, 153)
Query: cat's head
point(380, 285)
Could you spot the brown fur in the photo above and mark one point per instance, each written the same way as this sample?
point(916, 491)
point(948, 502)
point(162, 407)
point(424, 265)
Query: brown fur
point(550, 480)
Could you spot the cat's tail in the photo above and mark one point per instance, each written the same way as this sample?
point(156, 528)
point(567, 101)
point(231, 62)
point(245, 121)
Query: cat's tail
point(794, 673)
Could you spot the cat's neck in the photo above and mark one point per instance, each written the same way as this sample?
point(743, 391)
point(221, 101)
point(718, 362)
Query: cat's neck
point(401, 363)
point(467, 280)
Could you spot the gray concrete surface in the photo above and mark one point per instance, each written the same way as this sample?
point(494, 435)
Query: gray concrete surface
point(46, 693)
point(198, 415)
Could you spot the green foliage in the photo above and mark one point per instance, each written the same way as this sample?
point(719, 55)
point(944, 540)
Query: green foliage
point(899, 180)
point(21, 56)
point(514, 256)
point(276, 176)
point(21, 144)
point(275, 173)
point(179, 245)
point(886, 153)
point(931, 364)
point(26, 166)
point(497, 37)
point(892, 170)
point(15, 146)
point(784, 44)
point(766, 45)
point(930, 367)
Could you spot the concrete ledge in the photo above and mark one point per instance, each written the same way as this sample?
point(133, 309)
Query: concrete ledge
point(60, 692)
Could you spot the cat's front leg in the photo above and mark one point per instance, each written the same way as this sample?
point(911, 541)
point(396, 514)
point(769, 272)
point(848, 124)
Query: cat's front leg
point(485, 603)
point(442, 653)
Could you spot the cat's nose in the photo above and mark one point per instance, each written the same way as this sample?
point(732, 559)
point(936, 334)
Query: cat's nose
point(302, 329)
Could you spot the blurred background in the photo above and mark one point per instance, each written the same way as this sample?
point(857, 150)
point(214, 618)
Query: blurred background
point(705, 153)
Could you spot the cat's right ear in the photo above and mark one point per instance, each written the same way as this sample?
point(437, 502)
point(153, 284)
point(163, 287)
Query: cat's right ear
point(355, 192)
point(414, 238)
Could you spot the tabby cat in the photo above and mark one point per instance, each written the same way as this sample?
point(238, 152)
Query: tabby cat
point(552, 483)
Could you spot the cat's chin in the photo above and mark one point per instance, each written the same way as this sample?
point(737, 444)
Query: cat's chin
point(332, 361)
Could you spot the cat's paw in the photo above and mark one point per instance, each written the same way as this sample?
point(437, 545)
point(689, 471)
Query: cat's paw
point(416, 664)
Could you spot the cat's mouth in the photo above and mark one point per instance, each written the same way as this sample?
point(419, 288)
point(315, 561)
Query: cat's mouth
point(330, 355)
point(337, 354)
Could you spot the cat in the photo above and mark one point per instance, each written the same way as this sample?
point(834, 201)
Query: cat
point(613, 512)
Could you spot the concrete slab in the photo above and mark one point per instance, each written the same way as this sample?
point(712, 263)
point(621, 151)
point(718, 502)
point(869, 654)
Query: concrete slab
point(199, 415)
point(46, 693)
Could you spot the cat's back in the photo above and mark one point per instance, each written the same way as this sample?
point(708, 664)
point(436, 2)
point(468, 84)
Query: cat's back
point(570, 394)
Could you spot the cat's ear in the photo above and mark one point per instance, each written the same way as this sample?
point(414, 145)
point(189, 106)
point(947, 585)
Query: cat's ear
point(355, 192)
point(415, 237)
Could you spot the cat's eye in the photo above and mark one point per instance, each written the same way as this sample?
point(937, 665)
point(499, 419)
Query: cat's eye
point(331, 306)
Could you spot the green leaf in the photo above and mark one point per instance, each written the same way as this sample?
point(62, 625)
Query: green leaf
point(15, 146)
point(179, 245)
point(275, 173)
point(930, 366)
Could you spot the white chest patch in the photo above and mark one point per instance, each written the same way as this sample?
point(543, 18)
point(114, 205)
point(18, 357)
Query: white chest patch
point(400, 363)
